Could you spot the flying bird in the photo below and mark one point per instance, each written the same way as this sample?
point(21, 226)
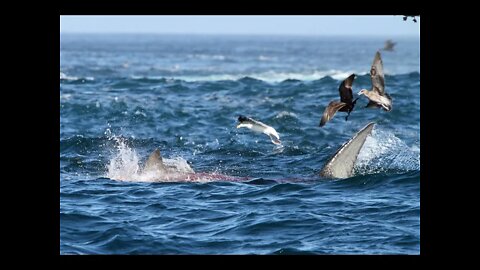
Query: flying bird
point(378, 98)
point(346, 103)
point(389, 44)
point(258, 126)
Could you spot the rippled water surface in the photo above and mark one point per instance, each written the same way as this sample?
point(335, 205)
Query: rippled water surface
point(122, 96)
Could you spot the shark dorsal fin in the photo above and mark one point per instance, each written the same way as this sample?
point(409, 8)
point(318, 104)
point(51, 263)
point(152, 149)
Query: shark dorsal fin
point(154, 161)
point(341, 164)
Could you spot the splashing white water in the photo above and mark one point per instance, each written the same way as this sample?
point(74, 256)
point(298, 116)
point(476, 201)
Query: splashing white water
point(384, 151)
point(63, 76)
point(125, 165)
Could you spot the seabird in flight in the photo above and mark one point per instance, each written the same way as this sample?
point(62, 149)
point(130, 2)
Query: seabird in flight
point(389, 44)
point(258, 126)
point(377, 96)
point(345, 104)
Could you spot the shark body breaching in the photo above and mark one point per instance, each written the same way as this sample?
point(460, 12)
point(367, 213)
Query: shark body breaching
point(156, 167)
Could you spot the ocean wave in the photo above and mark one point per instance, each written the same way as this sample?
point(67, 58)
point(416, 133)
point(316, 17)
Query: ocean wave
point(266, 58)
point(271, 76)
point(207, 56)
point(267, 76)
point(154, 79)
point(65, 77)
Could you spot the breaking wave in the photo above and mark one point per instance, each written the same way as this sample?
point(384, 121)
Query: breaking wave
point(63, 76)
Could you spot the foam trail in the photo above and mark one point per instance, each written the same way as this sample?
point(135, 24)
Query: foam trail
point(383, 151)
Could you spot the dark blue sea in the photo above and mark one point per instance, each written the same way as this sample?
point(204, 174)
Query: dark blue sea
point(122, 96)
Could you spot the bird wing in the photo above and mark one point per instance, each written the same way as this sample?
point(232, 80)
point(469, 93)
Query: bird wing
point(372, 104)
point(258, 123)
point(377, 76)
point(345, 89)
point(272, 133)
point(275, 139)
point(330, 111)
point(388, 96)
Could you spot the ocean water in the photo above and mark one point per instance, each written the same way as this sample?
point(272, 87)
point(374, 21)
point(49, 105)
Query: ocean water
point(122, 96)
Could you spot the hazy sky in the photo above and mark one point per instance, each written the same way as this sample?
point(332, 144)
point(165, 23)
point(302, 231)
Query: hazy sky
point(278, 25)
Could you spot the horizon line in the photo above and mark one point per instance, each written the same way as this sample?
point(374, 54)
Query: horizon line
point(238, 34)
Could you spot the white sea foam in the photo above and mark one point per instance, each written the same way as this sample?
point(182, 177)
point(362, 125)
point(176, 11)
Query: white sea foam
point(285, 113)
point(63, 76)
point(384, 151)
point(65, 97)
point(266, 58)
point(267, 76)
point(272, 76)
point(207, 56)
point(138, 112)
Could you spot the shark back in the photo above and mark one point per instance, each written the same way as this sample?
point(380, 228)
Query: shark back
point(341, 164)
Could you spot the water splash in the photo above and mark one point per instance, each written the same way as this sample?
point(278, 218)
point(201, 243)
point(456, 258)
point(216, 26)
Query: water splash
point(125, 165)
point(383, 151)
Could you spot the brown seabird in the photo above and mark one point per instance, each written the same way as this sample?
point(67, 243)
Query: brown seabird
point(345, 104)
point(377, 96)
point(389, 44)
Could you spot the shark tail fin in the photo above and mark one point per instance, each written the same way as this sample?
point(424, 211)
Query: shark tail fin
point(341, 164)
point(154, 161)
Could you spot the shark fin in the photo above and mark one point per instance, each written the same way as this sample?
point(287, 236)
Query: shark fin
point(154, 162)
point(341, 164)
